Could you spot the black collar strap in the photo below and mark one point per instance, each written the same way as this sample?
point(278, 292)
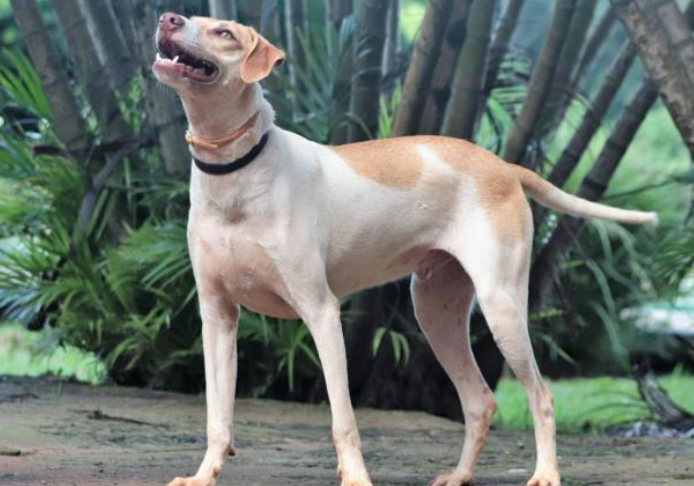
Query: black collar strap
point(233, 166)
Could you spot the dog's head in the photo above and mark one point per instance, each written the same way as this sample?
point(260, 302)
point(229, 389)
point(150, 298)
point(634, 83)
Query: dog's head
point(199, 53)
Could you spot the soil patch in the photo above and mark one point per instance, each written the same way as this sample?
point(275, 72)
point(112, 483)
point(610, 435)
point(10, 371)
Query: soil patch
point(72, 435)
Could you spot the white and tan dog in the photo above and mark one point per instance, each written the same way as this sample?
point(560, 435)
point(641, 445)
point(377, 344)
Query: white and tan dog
point(285, 227)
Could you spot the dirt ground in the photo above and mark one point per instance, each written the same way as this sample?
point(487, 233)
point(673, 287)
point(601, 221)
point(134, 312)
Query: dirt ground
point(68, 434)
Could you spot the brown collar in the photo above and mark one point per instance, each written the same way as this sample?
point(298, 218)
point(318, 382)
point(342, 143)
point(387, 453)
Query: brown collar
point(220, 142)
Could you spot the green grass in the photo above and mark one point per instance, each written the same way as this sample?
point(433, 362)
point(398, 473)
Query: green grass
point(588, 403)
point(26, 353)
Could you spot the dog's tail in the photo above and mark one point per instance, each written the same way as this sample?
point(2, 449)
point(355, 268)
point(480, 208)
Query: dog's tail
point(551, 196)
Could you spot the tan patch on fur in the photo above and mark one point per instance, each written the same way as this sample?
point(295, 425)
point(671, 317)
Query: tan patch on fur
point(396, 163)
point(497, 186)
point(392, 162)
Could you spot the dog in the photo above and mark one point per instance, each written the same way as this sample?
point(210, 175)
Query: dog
point(284, 226)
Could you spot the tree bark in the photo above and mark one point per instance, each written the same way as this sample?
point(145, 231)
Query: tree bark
point(540, 81)
point(595, 42)
point(546, 266)
point(501, 42)
point(295, 21)
point(392, 47)
point(665, 43)
point(468, 83)
point(68, 122)
point(223, 9)
point(164, 111)
point(440, 91)
point(593, 117)
point(109, 41)
point(419, 74)
point(96, 80)
point(562, 90)
point(337, 10)
point(366, 84)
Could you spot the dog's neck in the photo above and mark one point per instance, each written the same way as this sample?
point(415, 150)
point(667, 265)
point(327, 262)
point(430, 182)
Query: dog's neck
point(216, 117)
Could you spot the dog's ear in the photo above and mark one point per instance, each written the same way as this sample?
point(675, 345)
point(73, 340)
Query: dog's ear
point(261, 58)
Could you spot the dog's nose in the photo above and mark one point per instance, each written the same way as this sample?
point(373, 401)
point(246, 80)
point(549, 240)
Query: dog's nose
point(170, 21)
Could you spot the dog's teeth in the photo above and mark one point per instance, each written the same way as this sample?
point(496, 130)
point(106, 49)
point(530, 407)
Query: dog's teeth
point(175, 59)
point(159, 58)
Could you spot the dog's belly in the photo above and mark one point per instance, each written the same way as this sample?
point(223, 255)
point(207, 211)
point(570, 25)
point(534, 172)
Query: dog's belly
point(261, 299)
point(356, 274)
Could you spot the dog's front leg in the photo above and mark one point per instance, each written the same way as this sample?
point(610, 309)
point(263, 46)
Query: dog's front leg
point(219, 328)
point(323, 320)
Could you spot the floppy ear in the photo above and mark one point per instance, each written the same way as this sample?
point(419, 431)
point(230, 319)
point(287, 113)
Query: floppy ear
point(261, 58)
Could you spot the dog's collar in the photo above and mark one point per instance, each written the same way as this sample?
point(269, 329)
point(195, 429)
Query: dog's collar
point(233, 166)
point(215, 144)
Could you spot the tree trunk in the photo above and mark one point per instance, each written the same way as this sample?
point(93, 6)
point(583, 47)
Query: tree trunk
point(125, 20)
point(164, 111)
point(461, 112)
point(253, 13)
point(546, 266)
point(295, 21)
point(223, 9)
point(392, 48)
point(419, 74)
point(366, 84)
point(341, 94)
point(109, 41)
point(338, 10)
point(97, 85)
point(68, 122)
point(501, 42)
point(440, 91)
point(562, 91)
point(540, 81)
point(593, 117)
point(665, 43)
point(595, 42)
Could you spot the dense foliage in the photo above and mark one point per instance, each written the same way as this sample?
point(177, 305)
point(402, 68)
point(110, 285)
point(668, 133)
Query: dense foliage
point(121, 283)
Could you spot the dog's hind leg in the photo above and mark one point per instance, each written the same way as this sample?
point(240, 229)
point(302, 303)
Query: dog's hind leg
point(442, 302)
point(500, 277)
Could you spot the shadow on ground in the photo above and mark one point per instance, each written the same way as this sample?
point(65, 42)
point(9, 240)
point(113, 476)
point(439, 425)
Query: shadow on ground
point(68, 434)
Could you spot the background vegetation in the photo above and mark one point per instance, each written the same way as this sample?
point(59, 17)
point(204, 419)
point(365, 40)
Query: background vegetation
point(93, 185)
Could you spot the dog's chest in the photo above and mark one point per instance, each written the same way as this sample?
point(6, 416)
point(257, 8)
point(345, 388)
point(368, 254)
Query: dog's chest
point(240, 266)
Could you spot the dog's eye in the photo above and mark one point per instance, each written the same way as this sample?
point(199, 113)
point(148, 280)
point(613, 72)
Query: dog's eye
point(226, 34)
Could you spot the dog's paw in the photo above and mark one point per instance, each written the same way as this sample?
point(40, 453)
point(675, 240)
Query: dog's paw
point(193, 481)
point(544, 479)
point(456, 478)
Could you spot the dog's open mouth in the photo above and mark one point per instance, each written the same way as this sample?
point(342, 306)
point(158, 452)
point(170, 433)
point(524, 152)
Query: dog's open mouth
point(175, 59)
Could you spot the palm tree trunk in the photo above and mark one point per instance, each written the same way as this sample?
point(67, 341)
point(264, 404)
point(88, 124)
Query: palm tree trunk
point(295, 22)
point(595, 42)
point(223, 9)
point(562, 91)
point(252, 13)
point(461, 112)
point(419, 74)
point(593, 117)
point(366, 84)
point(440, 90)
point(109, 41)
point(665, 43)
point(96, 80)
point(164, 111)
point(500, 44)
point(337, 10)
point(392, 47)
point(540, 81)
point(546, 266)
point(68, 122)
